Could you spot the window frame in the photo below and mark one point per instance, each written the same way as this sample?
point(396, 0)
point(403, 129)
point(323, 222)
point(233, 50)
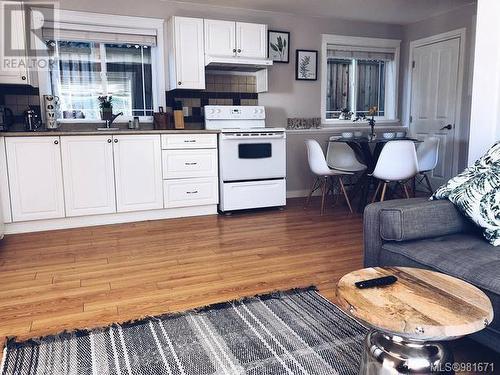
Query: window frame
point(391, 80)
point(119, 24)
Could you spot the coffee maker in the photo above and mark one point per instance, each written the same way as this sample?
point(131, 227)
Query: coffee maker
point(6, 118)
point(32, 121)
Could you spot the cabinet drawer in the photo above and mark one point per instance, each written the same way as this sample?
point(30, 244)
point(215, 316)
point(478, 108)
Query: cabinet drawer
point(180, 141)
point(190, 192)
point(189, 163)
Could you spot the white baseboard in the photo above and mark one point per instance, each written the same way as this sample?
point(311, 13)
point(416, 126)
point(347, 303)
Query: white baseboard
point(118, 218)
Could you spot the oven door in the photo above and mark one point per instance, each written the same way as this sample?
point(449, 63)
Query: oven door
point(252, 156)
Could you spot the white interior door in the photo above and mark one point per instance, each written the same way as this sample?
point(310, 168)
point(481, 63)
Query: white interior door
point(89, 178)
point(220, 38)
point(434, 99)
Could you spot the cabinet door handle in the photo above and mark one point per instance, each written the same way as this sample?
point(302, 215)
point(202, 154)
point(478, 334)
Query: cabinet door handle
point(192, 192)
point(23, 78)
point(192, 163)
point(116, 140)
point(56, 142)
point(179, 83)
point(239, 50)
point(234, 50)
point(109, 140)
point(189, 140)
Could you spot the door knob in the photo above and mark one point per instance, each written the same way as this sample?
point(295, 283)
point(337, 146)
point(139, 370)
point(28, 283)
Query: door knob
point(447, 127)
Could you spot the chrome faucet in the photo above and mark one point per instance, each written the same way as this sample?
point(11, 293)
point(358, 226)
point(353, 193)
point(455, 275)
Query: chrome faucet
point(113, 118)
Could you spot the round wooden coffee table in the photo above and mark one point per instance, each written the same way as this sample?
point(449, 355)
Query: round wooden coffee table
point(411, 316)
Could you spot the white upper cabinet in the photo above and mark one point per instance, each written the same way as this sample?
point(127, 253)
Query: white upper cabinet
point(16, 73)
point(251, 40)
point(35, 177)
point(89, 181)
point(138, 172)
point(186, 55)
point(220, 38)
point(235, 39)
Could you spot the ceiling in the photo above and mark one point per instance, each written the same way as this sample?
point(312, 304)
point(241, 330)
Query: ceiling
point(388, 11)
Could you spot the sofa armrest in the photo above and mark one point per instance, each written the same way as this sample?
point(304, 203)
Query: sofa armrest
point(409, 219)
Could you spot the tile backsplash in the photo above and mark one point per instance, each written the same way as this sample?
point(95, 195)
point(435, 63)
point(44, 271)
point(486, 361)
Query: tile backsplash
point(221, 89)
point(18, 98)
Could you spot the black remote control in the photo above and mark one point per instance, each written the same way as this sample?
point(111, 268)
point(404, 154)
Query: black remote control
point(380, 281)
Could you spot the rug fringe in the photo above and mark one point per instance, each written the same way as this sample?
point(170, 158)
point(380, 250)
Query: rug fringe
point(12, 343)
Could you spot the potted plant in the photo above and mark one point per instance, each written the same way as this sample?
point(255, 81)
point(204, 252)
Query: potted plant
point(106, 107)
point(371, 121)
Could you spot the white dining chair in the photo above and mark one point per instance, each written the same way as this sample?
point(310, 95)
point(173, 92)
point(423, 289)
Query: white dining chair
point(397, 163)
point(341, 156)
point(319, 166)
point(427, 157)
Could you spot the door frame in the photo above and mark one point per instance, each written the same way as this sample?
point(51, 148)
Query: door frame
point(461, 35)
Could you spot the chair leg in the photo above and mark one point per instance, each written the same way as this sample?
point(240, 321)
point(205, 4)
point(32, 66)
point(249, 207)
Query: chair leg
point(406, 190)
point(323, 194)
point(345, 194)
point(314, 187)
point(429, 185)
point(376, 192)
point(414, 186)
point(384, 189)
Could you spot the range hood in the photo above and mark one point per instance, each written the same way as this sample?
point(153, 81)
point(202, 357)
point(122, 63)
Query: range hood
point(240, 64)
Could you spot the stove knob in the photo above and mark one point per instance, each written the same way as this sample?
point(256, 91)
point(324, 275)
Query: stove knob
point(211, 111)
point(218, 110)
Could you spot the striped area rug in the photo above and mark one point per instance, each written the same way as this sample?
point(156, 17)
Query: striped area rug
point(294, 332)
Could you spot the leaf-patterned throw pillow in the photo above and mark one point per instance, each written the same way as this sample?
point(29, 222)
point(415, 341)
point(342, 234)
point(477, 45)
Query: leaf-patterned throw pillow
point(476, 193)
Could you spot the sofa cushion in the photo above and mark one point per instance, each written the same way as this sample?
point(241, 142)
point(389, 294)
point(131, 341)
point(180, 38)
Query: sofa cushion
point(476, 192)
point(423, 220)
point(464, 256)
point(389, 258)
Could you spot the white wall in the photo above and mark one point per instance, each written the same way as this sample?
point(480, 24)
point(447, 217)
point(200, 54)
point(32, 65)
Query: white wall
point(286, 97)
point(485, 113)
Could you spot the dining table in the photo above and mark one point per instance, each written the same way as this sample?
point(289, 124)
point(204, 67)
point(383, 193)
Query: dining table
point(368, 149)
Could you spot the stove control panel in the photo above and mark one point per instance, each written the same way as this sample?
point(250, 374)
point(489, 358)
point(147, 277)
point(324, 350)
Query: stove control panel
point(223, 112)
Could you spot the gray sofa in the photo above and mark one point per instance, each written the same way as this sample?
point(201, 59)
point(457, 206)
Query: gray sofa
point(434, 235)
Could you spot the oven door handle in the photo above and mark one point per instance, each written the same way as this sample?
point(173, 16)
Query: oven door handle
point(246, 138)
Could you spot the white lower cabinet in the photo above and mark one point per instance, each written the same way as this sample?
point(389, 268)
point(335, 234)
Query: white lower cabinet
point(4, 185)
point(89, 179)
point(35, 178)
point(88, 172)
point(191, 192)
point(138, 174)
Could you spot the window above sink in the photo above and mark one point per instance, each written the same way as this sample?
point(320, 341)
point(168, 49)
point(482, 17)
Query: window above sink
point(97, 55)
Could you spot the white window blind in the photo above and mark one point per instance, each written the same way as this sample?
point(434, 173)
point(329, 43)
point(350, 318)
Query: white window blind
point(112, 35)
point(359, 53)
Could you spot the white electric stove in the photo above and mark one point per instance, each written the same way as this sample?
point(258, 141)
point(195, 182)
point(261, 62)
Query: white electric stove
point(252, 158)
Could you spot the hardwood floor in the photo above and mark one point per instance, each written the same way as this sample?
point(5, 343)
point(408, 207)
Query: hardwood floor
point(91, 277)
